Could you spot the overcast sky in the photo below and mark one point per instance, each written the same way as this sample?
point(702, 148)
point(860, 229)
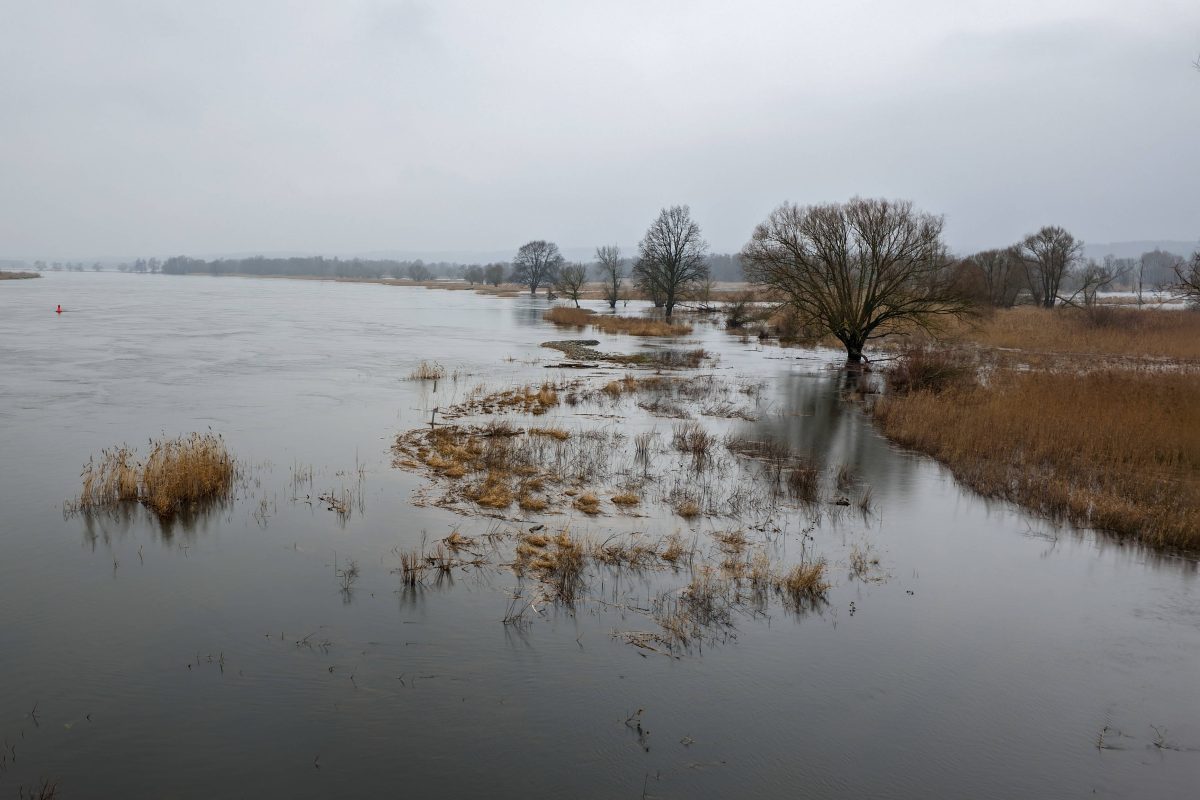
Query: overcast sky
point(351, 126)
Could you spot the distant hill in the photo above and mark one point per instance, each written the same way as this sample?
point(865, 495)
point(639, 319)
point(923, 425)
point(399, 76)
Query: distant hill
point(1135, 249)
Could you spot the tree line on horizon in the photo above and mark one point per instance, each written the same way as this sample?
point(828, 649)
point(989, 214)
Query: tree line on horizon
point(859, 270)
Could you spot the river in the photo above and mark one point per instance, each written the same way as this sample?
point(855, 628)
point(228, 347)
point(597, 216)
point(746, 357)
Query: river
point(995, 656)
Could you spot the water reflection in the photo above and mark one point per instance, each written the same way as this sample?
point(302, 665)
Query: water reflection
point(814, 419)
point(125, 518)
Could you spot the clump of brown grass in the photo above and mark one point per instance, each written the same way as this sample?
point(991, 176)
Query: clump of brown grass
point(673, 548)
point(804, 583)
point(626, 499)
point(456, 541)
point(557, 562)
point(692, 438)
point(733, 541)
point(112, 478)
point(1117, 450)
point(180, 474)
point(494, 492)
point(565, 315)
point(530, 502)
point(588, 503)
point(428, 371)
point(635, 326)
point(188, 471)
point(687, 507)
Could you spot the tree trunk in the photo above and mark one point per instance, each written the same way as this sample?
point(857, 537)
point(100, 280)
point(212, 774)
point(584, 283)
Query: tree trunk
point(854, 350)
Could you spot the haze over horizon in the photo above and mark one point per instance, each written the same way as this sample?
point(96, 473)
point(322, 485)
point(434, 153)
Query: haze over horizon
point(137, 128)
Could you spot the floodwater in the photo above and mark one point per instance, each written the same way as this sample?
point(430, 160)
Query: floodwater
point(221, 658)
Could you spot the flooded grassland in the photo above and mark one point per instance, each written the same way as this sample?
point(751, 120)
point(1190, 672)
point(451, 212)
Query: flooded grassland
point(450, 560)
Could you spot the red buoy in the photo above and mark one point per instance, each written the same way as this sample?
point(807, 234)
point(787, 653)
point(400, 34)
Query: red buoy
point(58, 310)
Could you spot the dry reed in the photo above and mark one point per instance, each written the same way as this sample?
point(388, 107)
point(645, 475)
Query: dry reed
point(1146, 333)
point(428, 371)
point(1117, 450)
point(180, 474)
point(635, 326)
point(804, 583)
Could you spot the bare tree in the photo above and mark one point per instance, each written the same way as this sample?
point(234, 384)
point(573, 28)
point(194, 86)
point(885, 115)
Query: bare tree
point(494, 273)
point(1158, 267)
point(671, 256)
point(1187, 281)
point(1095, 277)
point(417, 271)
point(611, 268)
point(860, 270)
point(1003, 275)
point(537, 263)
point(473, 274)
point(569, 281)
point(1049, 256)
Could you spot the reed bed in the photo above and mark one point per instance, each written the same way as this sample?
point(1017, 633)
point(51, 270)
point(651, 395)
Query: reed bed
point(1146, 333)
point(179, 475)
point(1114, 449)
point(634, 326)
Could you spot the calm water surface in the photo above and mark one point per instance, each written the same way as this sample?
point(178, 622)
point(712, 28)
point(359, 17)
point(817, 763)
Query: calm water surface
point(142, 662)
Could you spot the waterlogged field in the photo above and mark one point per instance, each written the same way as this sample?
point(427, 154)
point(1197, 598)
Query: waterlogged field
point(449, 561)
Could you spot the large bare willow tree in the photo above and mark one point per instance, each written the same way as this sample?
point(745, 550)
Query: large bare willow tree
point(672, 257)
point(860, 270)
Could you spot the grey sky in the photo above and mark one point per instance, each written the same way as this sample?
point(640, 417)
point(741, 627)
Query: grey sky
point(351, 126)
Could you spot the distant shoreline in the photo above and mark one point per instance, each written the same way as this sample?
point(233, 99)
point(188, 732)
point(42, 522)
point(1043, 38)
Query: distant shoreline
point(721, 289)
point(17, 276)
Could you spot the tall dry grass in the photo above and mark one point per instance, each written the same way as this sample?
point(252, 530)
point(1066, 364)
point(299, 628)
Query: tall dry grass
point(634, 326)
point(1146, 333)
point(179, 475)
point(1114, 449)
